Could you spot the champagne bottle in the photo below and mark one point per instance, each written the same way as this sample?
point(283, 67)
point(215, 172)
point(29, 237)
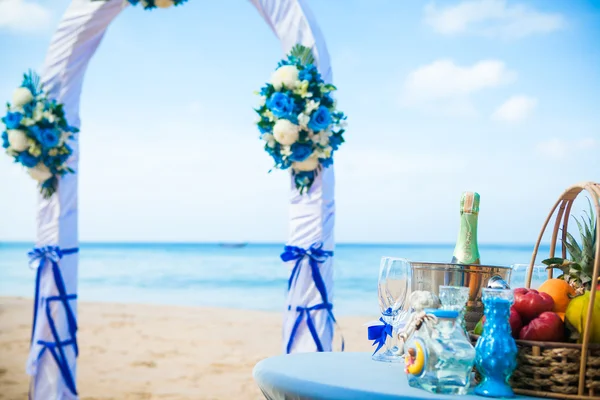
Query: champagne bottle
point(466, 250)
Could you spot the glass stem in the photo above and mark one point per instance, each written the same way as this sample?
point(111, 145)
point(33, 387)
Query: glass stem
point(391, 343)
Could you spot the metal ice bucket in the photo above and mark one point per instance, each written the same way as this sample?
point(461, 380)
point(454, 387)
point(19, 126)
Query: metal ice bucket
point(430, 276)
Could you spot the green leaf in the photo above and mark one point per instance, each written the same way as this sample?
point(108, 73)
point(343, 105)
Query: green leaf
point(573, 247)
point(303, 53)
point(554, 260)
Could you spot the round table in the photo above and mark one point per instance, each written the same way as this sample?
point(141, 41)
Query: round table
point(337, 376)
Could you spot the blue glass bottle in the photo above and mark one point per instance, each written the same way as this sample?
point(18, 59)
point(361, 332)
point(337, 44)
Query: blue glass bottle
point(496, 350)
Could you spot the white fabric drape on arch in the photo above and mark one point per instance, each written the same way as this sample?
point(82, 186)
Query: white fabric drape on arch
point(76, 40)
point(312, 214)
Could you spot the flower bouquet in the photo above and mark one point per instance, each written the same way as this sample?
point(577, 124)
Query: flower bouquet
point(298, 119)
point(150, 4)
point(37, 133)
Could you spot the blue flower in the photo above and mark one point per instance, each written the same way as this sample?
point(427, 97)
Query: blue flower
point(326, 162)
point(12, 120)
point(5, 142)
point(335, 141)
point(320, 119)
point(280, 104)
point(48, 137)
point(27, 159)
point(309, 73)
point(300, 152)
point(326, 100)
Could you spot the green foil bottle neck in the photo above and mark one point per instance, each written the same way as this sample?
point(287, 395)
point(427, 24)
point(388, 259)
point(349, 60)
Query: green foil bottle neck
point(467, 249)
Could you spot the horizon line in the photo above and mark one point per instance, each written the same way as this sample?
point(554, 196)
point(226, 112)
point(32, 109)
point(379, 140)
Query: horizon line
point(230, 242)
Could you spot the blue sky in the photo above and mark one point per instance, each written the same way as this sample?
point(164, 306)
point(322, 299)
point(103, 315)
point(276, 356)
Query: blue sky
point(500, 97)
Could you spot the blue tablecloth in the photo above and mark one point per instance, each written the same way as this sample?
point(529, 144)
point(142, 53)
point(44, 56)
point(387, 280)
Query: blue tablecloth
point(337, 376)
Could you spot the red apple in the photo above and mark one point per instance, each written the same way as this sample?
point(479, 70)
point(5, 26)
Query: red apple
point(515, 323)
point(547, 327)
point(530, 303)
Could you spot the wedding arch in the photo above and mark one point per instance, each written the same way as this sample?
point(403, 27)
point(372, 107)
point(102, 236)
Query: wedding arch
point(308, 318)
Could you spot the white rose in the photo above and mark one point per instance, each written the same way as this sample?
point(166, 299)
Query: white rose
point(310, 164)
point(285, 132)
point(21, 96)
point(303, 120)
point(163, 3)
point(18, 140)
point(40, 173)
point(287, 76)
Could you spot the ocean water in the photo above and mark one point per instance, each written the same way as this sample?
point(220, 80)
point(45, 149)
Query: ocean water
point(251, 277)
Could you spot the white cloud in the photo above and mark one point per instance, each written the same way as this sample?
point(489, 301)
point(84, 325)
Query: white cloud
point(445, 87)
point(494, 18)
point(559, 148)
point(515, 109)
point(24, 16)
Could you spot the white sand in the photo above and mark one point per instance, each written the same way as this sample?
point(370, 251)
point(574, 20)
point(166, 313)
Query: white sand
point(130, 351)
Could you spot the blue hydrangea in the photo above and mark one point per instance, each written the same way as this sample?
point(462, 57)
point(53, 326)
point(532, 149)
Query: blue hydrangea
point(12, 120)
point(335, 141)
point(326, 162)
point(27, 159)
point(309, 73)
point(5, 142)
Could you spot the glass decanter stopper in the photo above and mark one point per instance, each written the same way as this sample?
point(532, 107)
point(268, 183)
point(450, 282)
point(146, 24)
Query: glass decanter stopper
point(439, 356)
point(455, 298)
point(496, 349)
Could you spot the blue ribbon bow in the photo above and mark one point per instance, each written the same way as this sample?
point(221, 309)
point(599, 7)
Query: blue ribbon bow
point(316, 255)
point(39, 258)
point(379, 333)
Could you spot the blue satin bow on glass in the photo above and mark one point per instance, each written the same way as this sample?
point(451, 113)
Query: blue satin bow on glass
point(379, 334)
point(39, 258)
point(316, 255)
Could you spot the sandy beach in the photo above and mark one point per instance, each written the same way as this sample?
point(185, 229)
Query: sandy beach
point(135, 352)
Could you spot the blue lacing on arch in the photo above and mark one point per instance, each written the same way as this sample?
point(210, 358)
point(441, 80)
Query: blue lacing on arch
point(50, 256)
point(316, 255)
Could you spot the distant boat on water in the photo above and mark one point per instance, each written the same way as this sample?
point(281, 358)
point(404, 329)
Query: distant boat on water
point(233, 245)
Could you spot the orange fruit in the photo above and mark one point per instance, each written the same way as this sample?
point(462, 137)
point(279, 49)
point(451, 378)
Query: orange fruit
point(560, 291)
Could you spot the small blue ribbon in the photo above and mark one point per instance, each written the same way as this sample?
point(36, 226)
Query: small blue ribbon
point(379, 333)
point(38, 259)
point(316, 255)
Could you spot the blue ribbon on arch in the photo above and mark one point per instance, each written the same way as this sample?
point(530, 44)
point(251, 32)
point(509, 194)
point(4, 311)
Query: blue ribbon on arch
point(40, 258)
point(316, 255)
point(379, 334)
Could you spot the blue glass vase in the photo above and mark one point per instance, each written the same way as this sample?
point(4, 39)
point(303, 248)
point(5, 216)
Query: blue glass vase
point(496, 350)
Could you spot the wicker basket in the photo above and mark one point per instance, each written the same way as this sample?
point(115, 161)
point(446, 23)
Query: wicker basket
point(562, 370)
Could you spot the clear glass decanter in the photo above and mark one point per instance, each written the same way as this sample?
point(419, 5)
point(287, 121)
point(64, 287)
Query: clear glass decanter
point(439, 356)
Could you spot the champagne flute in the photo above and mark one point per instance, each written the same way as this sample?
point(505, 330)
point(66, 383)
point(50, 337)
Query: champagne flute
point(393, 288)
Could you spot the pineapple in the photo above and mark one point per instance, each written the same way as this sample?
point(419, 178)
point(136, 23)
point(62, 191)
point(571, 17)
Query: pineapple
point(579, 269)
